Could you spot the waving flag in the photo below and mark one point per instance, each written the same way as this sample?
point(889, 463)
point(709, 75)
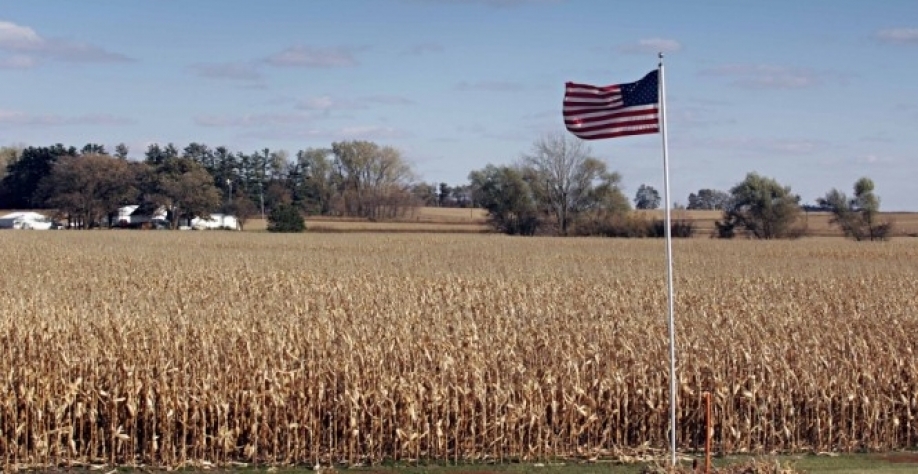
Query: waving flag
point(593, 112)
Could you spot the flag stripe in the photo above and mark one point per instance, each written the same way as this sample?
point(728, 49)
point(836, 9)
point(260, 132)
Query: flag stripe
point(593, 112)
point(616, 133)
point(592, 127)
point(584, 113)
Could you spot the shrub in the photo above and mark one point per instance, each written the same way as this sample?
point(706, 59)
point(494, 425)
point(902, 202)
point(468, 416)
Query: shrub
point(286, 218)
point(762, 208)
point(679, 228)
point(634, 226)
point(859, 216)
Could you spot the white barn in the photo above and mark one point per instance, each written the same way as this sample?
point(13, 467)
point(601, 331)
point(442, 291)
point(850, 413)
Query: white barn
point(25, 220)
point(215, 221)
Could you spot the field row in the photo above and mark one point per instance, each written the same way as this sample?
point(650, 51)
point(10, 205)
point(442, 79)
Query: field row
point(174, 348)
point(455, 220)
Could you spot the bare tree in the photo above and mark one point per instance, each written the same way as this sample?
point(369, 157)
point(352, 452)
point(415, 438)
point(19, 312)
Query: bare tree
point(564, 177)
point(314, 179)
point(8, 154)
point(375, 181)
point(243, 208)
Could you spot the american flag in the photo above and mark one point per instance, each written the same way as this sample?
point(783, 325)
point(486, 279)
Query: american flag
point(593, 112)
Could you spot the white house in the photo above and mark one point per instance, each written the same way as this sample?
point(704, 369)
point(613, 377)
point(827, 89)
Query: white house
point(216, 221)
point(124, 214)
point(133, 215)
point(25, 220)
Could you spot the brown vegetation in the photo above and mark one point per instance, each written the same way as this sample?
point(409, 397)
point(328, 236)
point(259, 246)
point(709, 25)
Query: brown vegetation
point(172, 349)
point(815, 224)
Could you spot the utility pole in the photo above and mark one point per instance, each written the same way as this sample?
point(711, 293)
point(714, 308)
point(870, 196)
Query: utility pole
point(229, 195)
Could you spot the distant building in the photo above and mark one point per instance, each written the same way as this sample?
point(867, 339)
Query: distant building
point(25, 220)
point(137, 215)
point(215, 221)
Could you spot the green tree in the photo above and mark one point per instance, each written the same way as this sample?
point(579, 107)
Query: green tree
point(762, 208)
point(93, 149)
point(121, 151)
point(858, 217)
point(277, 194)
point(314, 180)
point(425, 194)
point(286, 218)
point(183, 187)
point(646, 198)
point(226, 172)
point(507, 197)
point(444, 194)
point(462, 196)
point(708, 199)
point(19, 187)
point(201, 154)
point(157, 155)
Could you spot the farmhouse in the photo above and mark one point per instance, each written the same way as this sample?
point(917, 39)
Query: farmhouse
point(25, 220)
point(135, 215)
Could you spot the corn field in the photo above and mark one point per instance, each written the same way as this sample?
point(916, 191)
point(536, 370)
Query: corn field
point(197, 348)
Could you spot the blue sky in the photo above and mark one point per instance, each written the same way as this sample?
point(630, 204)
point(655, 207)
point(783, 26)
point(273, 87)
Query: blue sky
point(813, 93)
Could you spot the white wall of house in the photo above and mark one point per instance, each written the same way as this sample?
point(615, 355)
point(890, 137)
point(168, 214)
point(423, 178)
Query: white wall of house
point(25, 220)
point(125, 214)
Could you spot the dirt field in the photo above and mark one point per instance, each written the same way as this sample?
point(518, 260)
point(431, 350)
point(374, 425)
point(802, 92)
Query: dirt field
point(817, 224)
point(448, 220)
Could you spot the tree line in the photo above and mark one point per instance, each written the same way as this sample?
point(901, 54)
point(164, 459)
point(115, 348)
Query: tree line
point(557, 188)
point(87, 186)
point(560, 189)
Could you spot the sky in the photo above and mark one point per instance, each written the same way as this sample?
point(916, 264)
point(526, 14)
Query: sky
point(815, 93)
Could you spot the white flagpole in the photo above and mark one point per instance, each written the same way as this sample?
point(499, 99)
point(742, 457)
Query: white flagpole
point(669, 270)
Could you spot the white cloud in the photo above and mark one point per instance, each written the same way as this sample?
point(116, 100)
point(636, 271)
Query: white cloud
point(388, 100)
point(650, 46)
point(18, 61)
point(328, 103)
point(490, 86)
point(13, 36)
point(313, 57)
point(781, 146)
point(26, 43)
point(17, 118)
point(793, 146)
point(254, 120)
point(898, 35)
point(764, 76)
point(366, 132)
point(237, 71)
point(359, 132)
